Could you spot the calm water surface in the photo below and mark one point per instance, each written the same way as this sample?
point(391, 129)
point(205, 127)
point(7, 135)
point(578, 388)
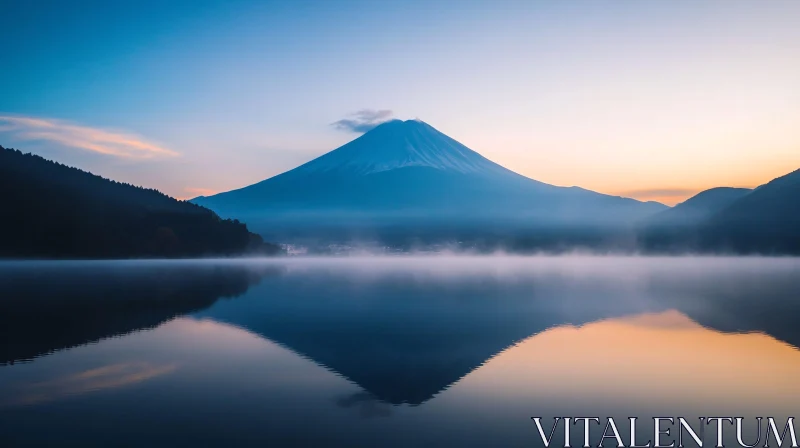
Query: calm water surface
point(405, 351)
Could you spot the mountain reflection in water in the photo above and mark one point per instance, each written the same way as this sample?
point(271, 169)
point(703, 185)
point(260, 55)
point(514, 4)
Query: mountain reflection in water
point(462, 350)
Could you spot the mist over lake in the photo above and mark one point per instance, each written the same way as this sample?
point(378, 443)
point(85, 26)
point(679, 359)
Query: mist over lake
point(387, 351)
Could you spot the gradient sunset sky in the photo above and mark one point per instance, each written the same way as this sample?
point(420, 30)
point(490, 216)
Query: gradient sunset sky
point(655, 100)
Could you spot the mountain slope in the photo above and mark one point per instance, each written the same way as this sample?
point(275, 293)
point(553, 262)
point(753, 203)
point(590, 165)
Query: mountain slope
point(699, 207)
point(407, 173)
point(54, 211)
point(398, 144)
point(765, 221)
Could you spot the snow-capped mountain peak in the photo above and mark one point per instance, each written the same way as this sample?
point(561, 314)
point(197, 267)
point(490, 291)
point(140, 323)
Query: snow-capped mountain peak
point(400, 144)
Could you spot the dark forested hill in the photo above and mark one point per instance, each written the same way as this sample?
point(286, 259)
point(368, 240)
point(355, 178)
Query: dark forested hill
point(764, 221)
point(698, 208)
point(54, 211)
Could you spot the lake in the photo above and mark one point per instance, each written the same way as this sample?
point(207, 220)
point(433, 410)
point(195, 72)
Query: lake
point(389, 351)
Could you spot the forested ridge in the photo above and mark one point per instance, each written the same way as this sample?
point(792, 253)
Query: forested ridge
point(51, 210)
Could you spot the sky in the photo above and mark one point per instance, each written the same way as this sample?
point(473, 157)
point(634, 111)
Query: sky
point(655, 100)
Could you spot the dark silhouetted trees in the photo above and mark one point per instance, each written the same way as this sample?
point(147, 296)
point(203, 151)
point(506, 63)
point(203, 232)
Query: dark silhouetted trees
point(50, 210)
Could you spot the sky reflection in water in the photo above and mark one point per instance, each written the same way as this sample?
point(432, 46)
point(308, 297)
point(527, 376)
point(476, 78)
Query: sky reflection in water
point(387, 351)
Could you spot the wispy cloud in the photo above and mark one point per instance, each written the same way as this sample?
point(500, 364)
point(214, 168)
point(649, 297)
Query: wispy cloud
point(102, 141)
point(194, 192)
point(661, 192)
point(363, 120)
point(669, 196)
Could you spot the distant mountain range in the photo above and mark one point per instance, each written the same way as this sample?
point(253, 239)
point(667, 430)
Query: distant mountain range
point(699, 207)
point(765, 220)
point(407, 174)
point(55, 211)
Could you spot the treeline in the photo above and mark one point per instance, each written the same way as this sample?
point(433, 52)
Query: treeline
point(51, 210)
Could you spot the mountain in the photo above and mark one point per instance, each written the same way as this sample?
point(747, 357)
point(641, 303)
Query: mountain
point(699, 207)
point(406, 174)
point(731, 220)
point(55, 211)
point(764, 221)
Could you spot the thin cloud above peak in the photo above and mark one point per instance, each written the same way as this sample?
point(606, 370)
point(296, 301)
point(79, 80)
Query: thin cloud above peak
point(112, 143)
point(363, 120)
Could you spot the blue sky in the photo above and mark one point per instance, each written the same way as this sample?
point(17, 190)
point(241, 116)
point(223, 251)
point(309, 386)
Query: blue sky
point(655, 100)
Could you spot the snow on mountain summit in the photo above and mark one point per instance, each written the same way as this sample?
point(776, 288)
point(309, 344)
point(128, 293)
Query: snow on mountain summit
point(400, 144)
